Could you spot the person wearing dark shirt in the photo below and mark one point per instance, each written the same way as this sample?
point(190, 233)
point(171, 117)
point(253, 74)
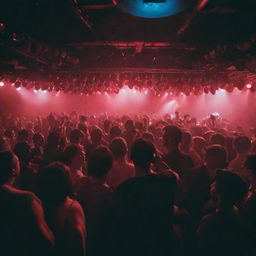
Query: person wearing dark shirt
point(142, 217)
point(52, 150)
point(76, 137)
point(250, 205)
point(175, 159)
point(130, 133)
point(242, 146)
point(222, 232)
point(201, 179)
point(95, 195)
point(37, 151)
point(23, 231)
point(26, 179)
point(96, 140)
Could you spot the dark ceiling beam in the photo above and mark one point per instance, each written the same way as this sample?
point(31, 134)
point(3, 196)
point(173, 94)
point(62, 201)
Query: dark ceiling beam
point(97, 6)
point(189, 18)
point(166, 71)
point(127, 45)
point(25, 54)
point(80, 13)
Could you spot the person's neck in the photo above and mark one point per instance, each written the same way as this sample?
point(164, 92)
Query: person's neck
point(140, 172)
point(211, 171)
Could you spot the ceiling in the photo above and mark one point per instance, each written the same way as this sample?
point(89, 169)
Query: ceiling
point(96, 33)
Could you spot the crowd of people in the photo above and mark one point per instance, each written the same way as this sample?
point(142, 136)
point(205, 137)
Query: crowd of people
point(119, 185)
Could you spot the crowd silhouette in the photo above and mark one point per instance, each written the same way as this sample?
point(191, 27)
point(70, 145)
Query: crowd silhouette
point(120, 185)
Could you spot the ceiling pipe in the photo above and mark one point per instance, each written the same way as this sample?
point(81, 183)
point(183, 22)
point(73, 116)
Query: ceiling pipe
point(199, 6)
point(80, 14)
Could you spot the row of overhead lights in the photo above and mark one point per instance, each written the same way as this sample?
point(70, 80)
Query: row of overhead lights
point(169, 92)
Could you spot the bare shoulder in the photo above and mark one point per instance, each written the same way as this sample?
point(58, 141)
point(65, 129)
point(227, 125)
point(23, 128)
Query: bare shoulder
point(75, 208)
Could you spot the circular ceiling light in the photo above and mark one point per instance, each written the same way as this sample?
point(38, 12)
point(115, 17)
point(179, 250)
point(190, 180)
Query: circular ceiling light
point(154, 8)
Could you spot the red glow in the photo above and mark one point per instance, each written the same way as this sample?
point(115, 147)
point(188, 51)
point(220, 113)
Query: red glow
point(1, 83)
point(131, 101)
point(248, 86)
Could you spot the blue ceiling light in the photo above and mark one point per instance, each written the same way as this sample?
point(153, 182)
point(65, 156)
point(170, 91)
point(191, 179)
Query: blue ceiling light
point(154, 8)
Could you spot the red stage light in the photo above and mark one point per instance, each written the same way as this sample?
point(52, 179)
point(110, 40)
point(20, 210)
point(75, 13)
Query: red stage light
point(248, 86)
point(1, 84)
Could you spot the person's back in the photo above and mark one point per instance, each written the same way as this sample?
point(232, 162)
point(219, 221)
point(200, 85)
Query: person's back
point(52, 151)
point(176, 160)
point(142, 222)
point(250, 205)
point(242, 145)
point(27, 176)
point(200, 180)
point(186, 148)
point(223, 232)
point(95, 199)
point(96, 140)
point(95, 196)
point(64, 215)
point(120, 172)
point(121, 169)
point(23, 229)
point(18, 234)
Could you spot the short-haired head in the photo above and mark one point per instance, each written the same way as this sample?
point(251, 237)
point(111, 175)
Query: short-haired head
point(119, 147)
point(230, 187)
point(54, 183)
point(142, 153)
point(242, 144)
point(100, 162)
point(23, 135)
point(115, 131)
point(76, 136)
point(172, 136)
point(217, 138)
point(216, 156)
point(22, 150)
point(96, 135)
point(38, 139)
